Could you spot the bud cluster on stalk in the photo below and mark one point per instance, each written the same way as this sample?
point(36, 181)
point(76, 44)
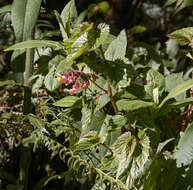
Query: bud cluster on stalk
point(78, 79)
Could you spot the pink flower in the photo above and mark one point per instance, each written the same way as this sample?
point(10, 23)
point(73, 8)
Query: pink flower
point(85, 84)
point(72, 91)
point(78, 79)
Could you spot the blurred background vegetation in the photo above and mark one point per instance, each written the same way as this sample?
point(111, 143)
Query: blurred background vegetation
point(147, 24)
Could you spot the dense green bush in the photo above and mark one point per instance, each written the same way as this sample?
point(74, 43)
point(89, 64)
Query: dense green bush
point(99, 110)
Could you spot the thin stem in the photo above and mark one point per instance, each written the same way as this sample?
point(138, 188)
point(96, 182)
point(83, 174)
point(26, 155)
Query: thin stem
point(99, 86)
point(109, 85)
point(188, 112)
point(107, 147)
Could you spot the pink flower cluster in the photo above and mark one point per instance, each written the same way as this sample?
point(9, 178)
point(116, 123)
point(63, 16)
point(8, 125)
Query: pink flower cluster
point(78, 79)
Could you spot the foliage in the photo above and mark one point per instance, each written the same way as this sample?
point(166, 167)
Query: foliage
point(106, 114)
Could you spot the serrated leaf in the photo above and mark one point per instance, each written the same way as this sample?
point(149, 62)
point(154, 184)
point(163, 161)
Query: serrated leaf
point(124, 147)
point(88, 141)
point(109, 162)
point(184, 153)
point(130, 105)
point(178, 90)
point(68, 101)
point(35, 44)
point(117, 47)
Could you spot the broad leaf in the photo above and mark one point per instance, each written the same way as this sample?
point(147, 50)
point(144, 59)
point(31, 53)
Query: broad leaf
point(183, 36)
point(178, 90)
point(6, 8)
point(68, 101)
point(184, 153)
point(35, 44)
point(24, 15)
point(172, 81)
point(88, 141)
point(98, 37)
point(130, 105)
point(117, 47)
point(181, 103)
point(50, 81)
point(155, 84)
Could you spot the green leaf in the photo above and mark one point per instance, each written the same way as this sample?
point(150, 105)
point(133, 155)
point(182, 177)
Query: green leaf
point(98, 37)
point(62, 29)
point(99, 186)
point(69, 13)
point(6, 8)
point(184, 153)
point(103, 6)
point(68, 101)
point(163, 144)
point(155, 84)
point(181, 103)
point(178, 90)
point(88, 141)
point(109, 162)
point(183, 36)
point(117, 47)
point(172, 81)
point(130, 105)
point(38, 83)
point(158, 177)
point(7, 82)
point(50, 81)
point(35, 44)
point(169, 2)
point(172, 48)
point(92, 122)
point(24, 15)
point(35, 121)
point(138, 29)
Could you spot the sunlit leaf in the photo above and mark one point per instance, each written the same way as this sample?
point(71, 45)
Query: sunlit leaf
point(117, 47)
point(68, 101)
point(129, 105)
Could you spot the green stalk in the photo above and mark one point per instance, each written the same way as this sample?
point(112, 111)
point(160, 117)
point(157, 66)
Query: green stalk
point(27, 107)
